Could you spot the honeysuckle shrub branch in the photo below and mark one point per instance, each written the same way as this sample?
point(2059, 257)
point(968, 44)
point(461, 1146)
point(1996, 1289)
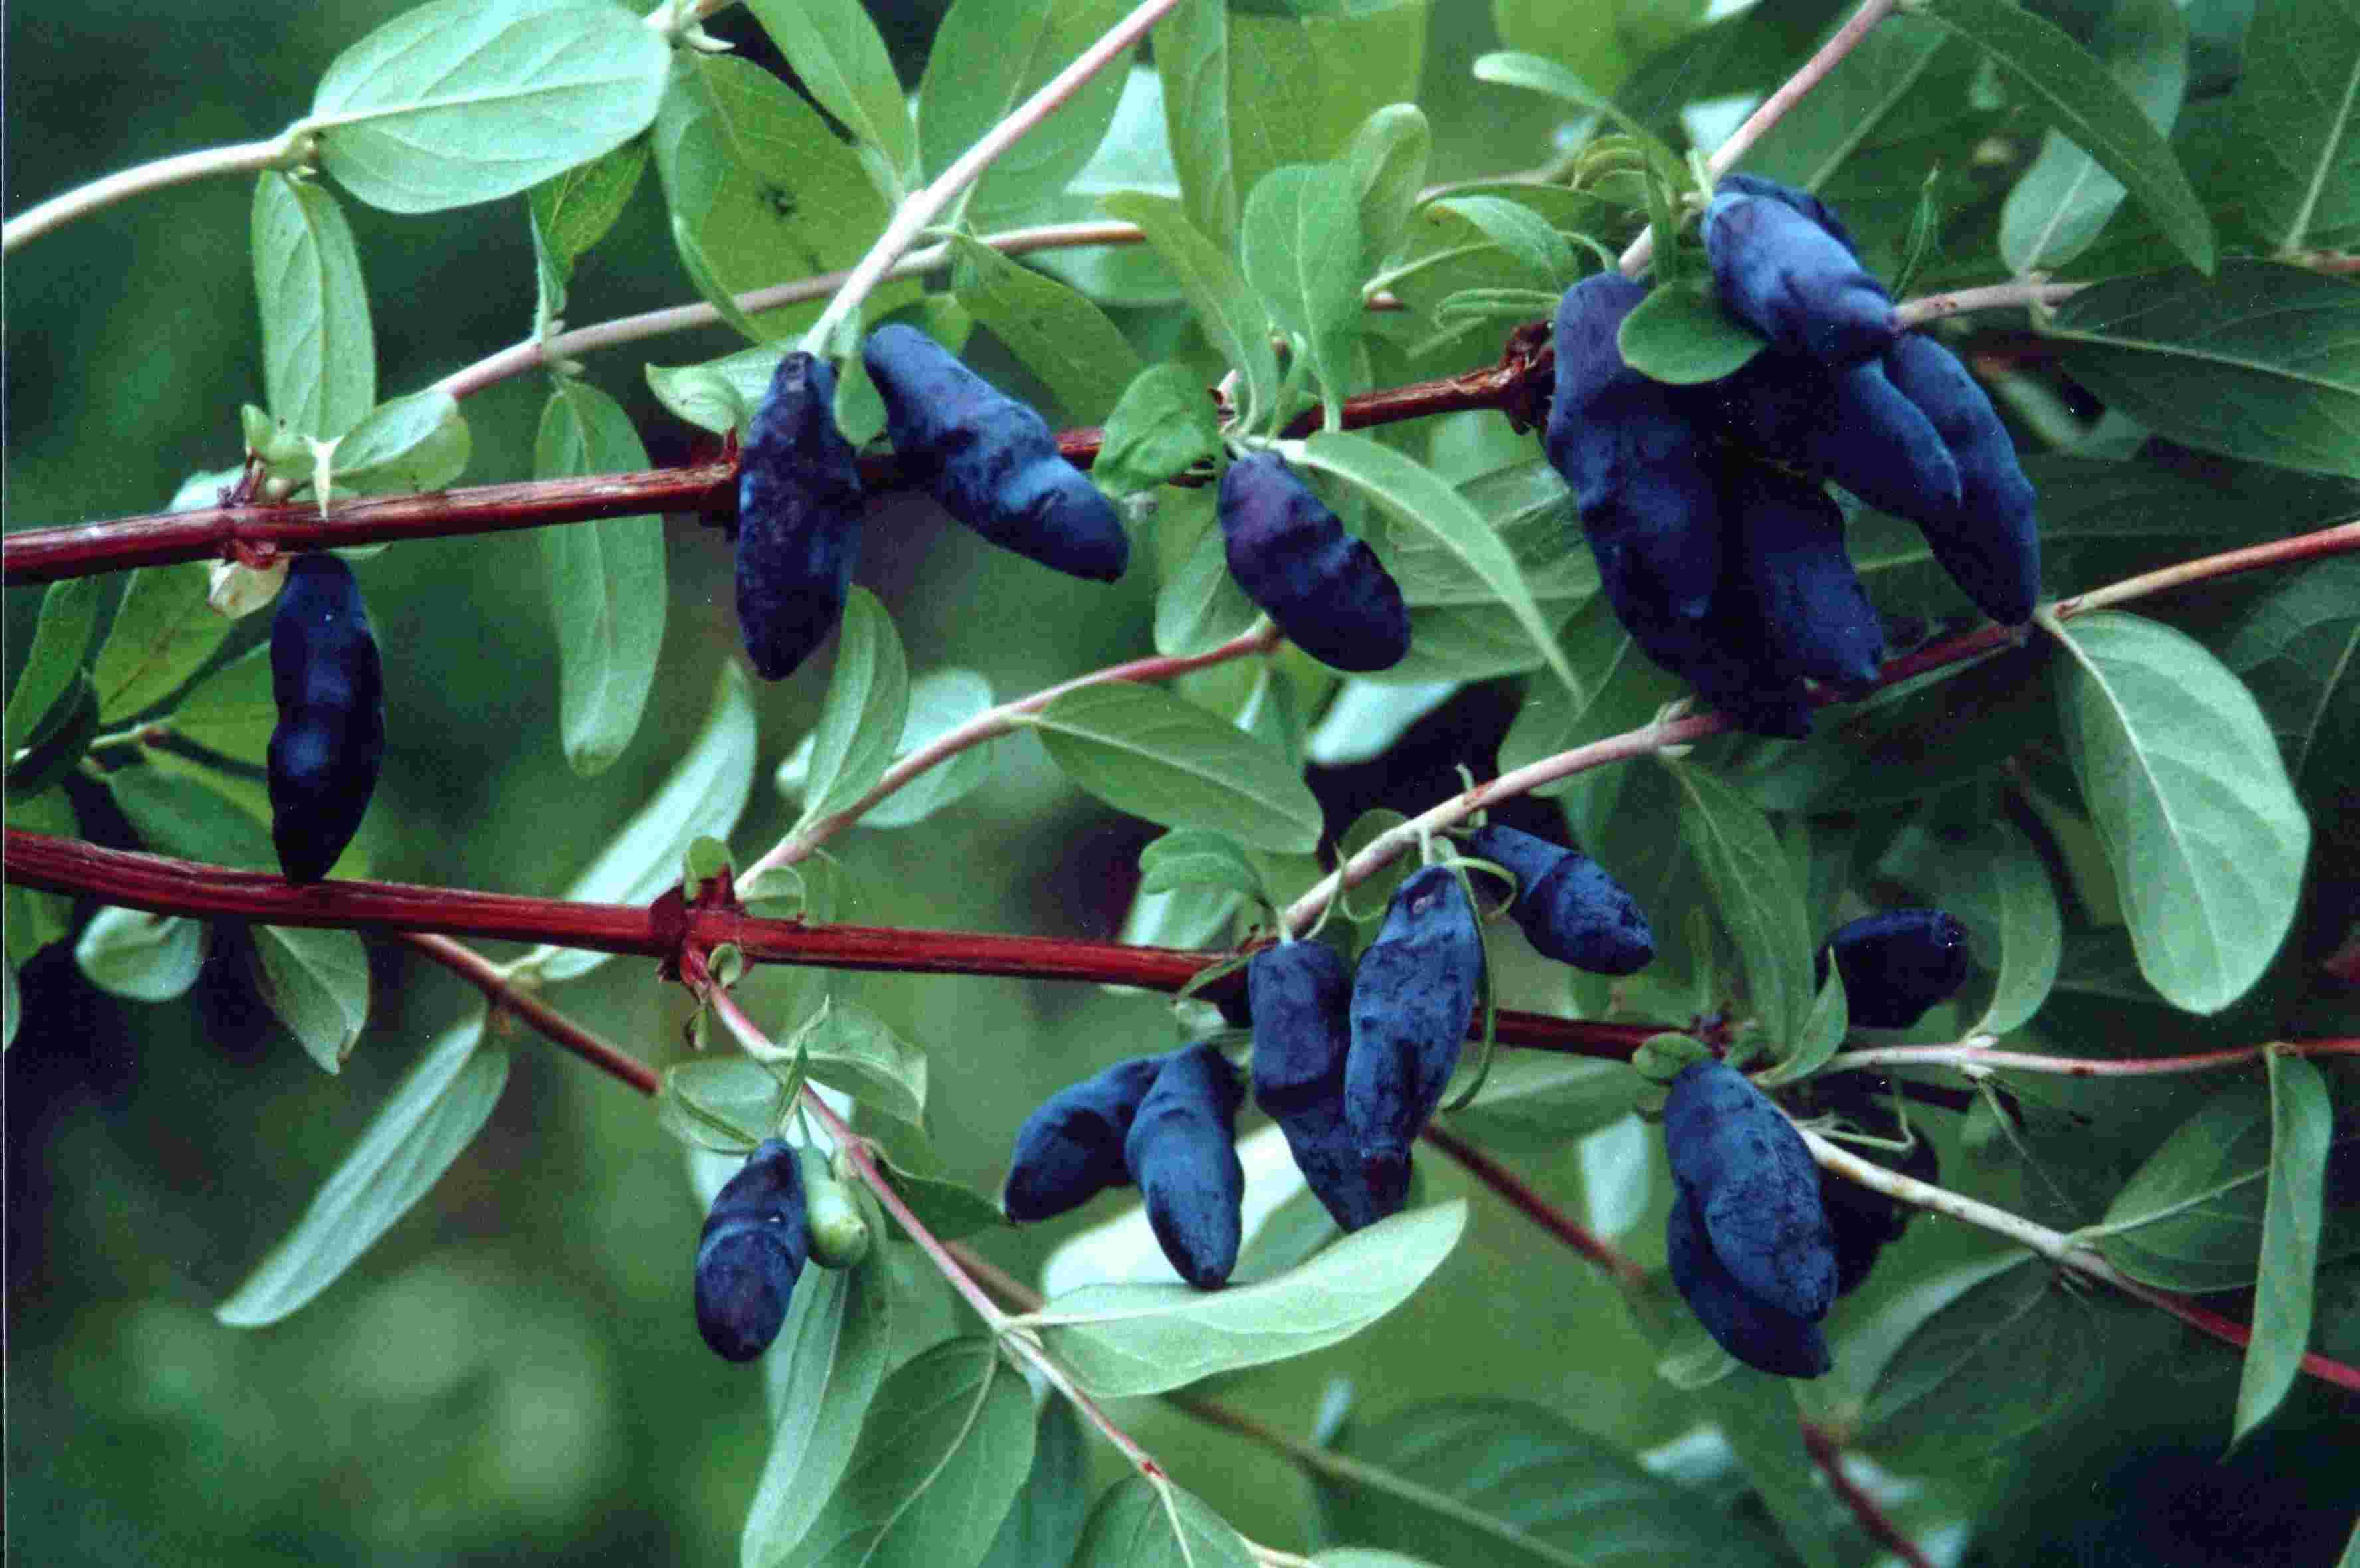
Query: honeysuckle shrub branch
point(2172, 773)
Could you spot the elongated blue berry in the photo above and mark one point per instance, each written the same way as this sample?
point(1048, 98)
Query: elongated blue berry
point(1413, 997)
point(1990, 541)
point(1793, 281)
point(1897, 964)
point(1755, 1187)
point(990, 461)
point(1181, 1150)
point(1756, 1332)
point(1070, 1150)
point(329, 743)
point(1567, 906)
point(1789, 559)
point(1301, 996)
point(751, 1251)
point(1802, 201)
point(798, 519)
point(1851, 425)
point(1325, 590)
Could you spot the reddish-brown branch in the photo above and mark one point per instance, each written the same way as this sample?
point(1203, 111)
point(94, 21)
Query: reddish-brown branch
point(1531, 1204)
point(2231, 1331)
point(165, 886)
point(482, 974)
point(1828, 1456)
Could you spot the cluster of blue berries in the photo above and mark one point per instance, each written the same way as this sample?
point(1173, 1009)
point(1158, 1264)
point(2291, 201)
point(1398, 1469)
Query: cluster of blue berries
point(784, 1208)
point(1760, 1244)
point(1716, 544)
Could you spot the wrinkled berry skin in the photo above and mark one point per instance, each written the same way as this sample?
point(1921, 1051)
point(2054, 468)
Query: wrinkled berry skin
point(1852, 426)
point(1789, 560)
point(990, 461)
point(1897, 964)
point(1070, 1150)
point(1182, 1151)
point(1754, 1188)
point(798, 519)
point(1990, 541)
point(1749, 1328)
point(751, 1251)
point(1300, 994)
point(1802, 201)
point(1793, 281)
point(1632, 457)
point(1412, 997)
point(1567, 906)
point(1323, 588)
point(330, 739)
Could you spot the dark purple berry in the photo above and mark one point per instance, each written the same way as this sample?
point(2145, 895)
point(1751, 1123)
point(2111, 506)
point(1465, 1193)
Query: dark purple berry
point(1897, 964)
point(751, 1251)
point(1181, 1150)
point(1070, 1149)
point(329, 743)
point(798, 519)
point(1325, 590)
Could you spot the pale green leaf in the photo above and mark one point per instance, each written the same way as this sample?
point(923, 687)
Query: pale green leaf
point(417, 442)
point(846, 1047)
point(1537, 1102)
point(1231, 318)
point(317, 982)
point(319, 355)
point(61, 638)
point(163, 631)
point(1755, 897)
point(2301, 1126)
point(1045, 1522)
point(231, 712)
point(836, 54)
point(1165, 422)
point(1388, 160)
point(1198, 606)
point(987, 56)
point(1058, 335)
point(822, 1370)
point(1144, 751)
point(142, 956)
point(1300, 242)
point(868, 701)
point(1189, 857)
point(1679, 334)
point(2298, 648)
point(1142, 1523)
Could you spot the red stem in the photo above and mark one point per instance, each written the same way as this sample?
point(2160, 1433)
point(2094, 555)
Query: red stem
point(1828, 1456)
point(2230, 1331)
point(480, 972)
point(1532, 1206)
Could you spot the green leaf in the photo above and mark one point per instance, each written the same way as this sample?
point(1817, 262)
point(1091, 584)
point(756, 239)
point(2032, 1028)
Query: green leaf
point(1232, 319)
point(945, 1447)
point(1199, 605)
point(836, 54)
point(822, 1370)
point(2298, 118)
point(1297, 88)
point(940, 701)
point(2064, 199)
point(846, 1047)
point(701, 798)
point(2262, 362)
point(429, 1118)
point(2190, 801)
point(1164, 423)
point(1300, 242)
point(317, 982)
point(1388, 160)
point(1476, 1482)
point(2194, 1216)
point(1192, 62)
point(61, 637)
point(1191, 857)
point(462, 102)
point(1058, 335)
point(986, 58)
point(1145, 752)
point(868, 701)
point(1537, 75)
point(163, 631)
point(1142, 1523)
point(1122, 1340)
point(1519, 230)
point(176, 813)
point(231, 713)
point(319, 357)
point(1680, 334)
point(1622, 689)
point(720, 395)
point(1537, 1102)
point(145, 957)
point(571, 211)
point(1999, 1352)
point(1420, 501)
point(607, 589)
point(1755, 894)
point(1045, 1523)
point(1823, 1032)
point(417, 442)
point(2297, 649)
point(2302, 1123)
point(726, 1104)
point(2086, 103)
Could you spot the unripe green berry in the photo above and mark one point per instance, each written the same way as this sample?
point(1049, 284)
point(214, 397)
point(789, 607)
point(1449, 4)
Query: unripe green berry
point(839, 1234)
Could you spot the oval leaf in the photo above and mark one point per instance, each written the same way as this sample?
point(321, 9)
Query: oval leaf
point(868, 702)
point(317, 984)
point(433, 1113)
point(822, 1370)
point(319, 357)
point(61, 637)
point(1143, 751)
point(1755, 895)
point(147, 958)
point(162, 632)
point(1300, 243)
point(1142, 1524)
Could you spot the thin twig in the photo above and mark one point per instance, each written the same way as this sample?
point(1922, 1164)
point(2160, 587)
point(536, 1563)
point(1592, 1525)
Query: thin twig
point(486, 977)
point(1520, 1196)
point(243, 157)
point(1976, 1058)
point(1828, 1456)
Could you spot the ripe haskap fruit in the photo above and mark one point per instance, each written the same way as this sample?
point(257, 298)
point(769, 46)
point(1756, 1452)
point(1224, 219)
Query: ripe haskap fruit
point(1632, 455)
point(750, 1252)
point(1749, 1328)
point(1897, 964)
point(1325, 590)
point(1182, 1151)
point(798, 518)
point(1754, 1188)
point(330, 738)
point(1070, 1150)
point(1852, 426)
point(1789, 560)
point(1793, 281)
point(1566, 905)
point(839, 1233)
point(1300, 994)
point(1412, 997)
point(1802, 201)
point(990, 461)
point(1990, 541)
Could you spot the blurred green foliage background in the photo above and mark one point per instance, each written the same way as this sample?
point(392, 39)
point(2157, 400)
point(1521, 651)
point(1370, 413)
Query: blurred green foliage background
point(514, 1373)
